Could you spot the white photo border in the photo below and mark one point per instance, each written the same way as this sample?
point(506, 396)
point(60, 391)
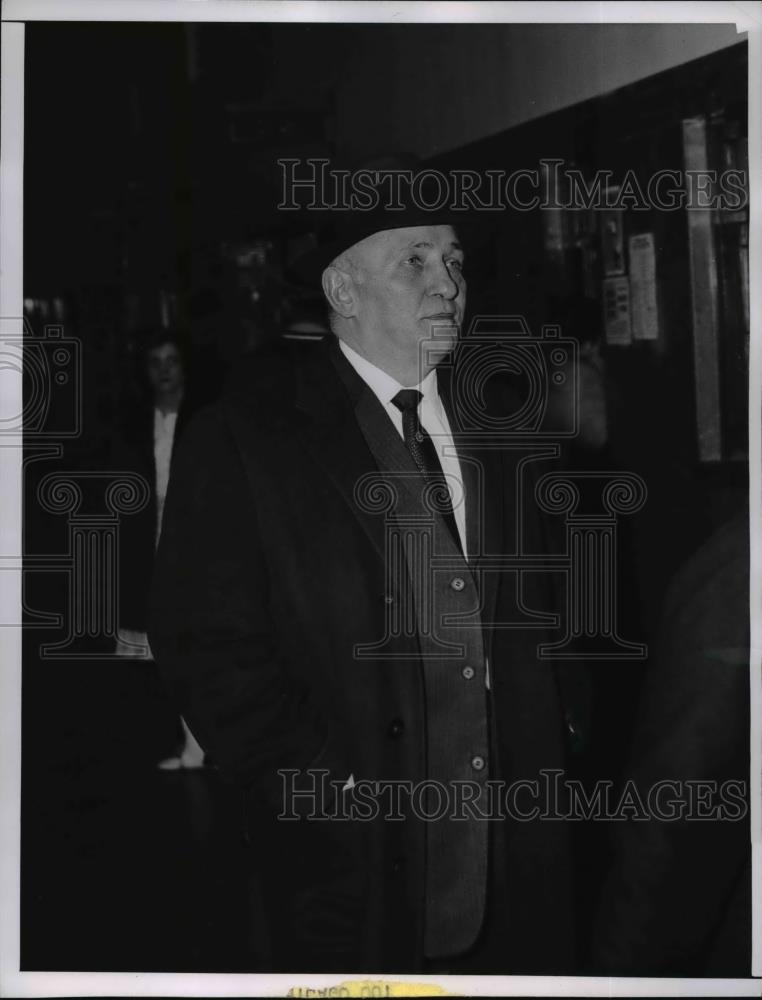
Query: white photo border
point(748, 19)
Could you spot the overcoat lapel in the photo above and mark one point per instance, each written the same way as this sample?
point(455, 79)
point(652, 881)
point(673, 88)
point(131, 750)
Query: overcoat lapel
point(385, 443)
point(332, 436)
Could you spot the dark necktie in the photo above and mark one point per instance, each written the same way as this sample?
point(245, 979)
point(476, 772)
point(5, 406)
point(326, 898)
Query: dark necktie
point(421, 447)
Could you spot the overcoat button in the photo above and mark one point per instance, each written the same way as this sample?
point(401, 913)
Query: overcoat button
point(468, 673)
point(388, 599)
point(457, 583)
point(477, 763)
point(396, 728)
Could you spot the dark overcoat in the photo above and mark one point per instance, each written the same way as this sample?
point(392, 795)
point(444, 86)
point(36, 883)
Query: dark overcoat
point(270, 572)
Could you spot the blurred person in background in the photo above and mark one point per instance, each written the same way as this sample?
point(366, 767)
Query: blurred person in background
point(145, 444)
point(677, 898)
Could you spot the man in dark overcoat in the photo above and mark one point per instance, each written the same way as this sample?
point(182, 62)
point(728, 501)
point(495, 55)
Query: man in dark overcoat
point(344, 640)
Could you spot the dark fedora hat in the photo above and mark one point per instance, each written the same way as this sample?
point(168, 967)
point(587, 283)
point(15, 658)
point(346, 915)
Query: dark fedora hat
point(392, 193)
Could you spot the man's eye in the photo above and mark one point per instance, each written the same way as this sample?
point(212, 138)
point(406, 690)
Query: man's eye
point(457, 264)
point(415, 260)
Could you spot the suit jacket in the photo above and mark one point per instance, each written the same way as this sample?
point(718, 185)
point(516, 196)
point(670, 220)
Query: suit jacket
point(269, 573)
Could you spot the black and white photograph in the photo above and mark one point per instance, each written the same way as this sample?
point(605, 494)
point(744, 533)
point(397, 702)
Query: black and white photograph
point(380, 550)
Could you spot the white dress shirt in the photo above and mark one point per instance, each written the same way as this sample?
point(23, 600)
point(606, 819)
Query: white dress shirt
point(433, 419)
point(163, 437)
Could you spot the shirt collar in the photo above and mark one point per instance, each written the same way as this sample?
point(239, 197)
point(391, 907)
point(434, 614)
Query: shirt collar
point(163, 418)
point(382, 384)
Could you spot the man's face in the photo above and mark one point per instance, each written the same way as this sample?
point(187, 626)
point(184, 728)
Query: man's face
point(165, 369)
point(410, 288)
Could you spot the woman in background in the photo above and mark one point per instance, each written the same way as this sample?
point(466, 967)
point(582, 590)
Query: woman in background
point(145, 444)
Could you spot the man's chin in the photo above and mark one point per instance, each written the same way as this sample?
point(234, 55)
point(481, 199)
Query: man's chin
point(442, 340)
point(433, 353)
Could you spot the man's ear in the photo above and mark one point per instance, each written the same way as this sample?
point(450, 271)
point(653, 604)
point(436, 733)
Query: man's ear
point(339, 290)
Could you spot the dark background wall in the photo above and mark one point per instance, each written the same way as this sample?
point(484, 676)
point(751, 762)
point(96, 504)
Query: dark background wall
point(445, 87)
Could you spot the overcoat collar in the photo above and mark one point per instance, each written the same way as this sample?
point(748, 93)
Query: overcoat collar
point(331, 434)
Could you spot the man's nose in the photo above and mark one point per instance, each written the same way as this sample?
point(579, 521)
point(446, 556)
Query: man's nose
point(443, 283)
